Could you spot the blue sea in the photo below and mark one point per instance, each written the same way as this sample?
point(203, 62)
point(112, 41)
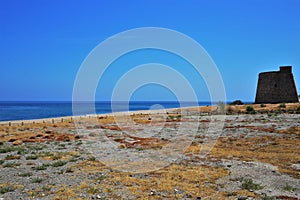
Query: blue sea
point(35, 110)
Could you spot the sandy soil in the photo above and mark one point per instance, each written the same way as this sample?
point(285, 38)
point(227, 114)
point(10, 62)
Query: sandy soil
point(168, 154)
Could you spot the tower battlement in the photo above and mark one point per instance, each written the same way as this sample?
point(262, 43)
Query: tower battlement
point(285, 69)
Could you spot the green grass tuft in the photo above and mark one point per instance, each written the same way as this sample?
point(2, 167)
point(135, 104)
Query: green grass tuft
point(41, 167)
point(7, 149)
point(59, 164)
point(11, 164)
point(248, 184)
point(250, 110)
point(37, 180)
point(31, 157)
point(25, 174)
point(5, 189)
point(282, 105)
point(289, 188)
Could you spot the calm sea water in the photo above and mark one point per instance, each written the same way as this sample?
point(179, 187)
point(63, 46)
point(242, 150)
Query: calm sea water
point(36, 110)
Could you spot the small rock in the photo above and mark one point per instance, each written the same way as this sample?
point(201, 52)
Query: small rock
point(17, 142)
point(178, 191)
point(82, 195)
point(152, 192)
point(296, 166)
point(93, 134)
point(242, 198)
point(187, 196)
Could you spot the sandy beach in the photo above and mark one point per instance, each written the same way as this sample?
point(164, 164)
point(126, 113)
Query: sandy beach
point(189, 153)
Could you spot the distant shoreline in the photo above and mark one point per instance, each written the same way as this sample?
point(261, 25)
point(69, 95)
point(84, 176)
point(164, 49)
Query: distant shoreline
point(210, 110)
point(121, 113)
point(13, 111)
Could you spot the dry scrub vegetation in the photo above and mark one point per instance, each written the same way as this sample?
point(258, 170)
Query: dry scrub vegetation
point(51, 163)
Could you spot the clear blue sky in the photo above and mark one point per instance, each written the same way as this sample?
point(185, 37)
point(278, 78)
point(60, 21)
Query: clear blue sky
point(44, 42)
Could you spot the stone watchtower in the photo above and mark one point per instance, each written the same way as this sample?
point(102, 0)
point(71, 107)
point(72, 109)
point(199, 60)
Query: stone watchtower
point(276, 87)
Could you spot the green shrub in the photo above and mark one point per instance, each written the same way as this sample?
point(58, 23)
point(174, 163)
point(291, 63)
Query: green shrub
point(298, 110)
point(62, 145)
point(5, 189)
point(31, 157)
point(37, 180)
point(11, 157)
point(73, 159)
point(93, 190)
point(265, 197)
point(11, 164)
point(46, 153)
point(229, 194)
point(100, 176)
point(6, 149)
point(92, 158)
point(59, 163)
point(250, 109)
point(46, 188)
point(282, 105)
point(289, 188)
point(21, 150)
point(56, 157)
point(41, 167)
point(25, 174)
point(35, 147)
point(248, 184)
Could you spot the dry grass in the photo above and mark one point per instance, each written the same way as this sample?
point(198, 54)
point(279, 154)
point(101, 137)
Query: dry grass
point(173, 181)
point(164, 183)
point(195, 181)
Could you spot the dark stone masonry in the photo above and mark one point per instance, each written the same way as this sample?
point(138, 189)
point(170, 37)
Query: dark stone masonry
point(277, 87)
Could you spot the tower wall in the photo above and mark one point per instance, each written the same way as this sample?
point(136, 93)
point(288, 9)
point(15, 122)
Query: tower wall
point(276, 87)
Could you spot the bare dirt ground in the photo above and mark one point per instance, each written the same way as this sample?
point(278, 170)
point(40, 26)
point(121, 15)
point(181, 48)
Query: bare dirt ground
point(190, 154)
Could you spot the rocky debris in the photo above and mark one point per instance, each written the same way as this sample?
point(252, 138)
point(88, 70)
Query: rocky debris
point(270, 181)
point(296, 166)
point(52, 161)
